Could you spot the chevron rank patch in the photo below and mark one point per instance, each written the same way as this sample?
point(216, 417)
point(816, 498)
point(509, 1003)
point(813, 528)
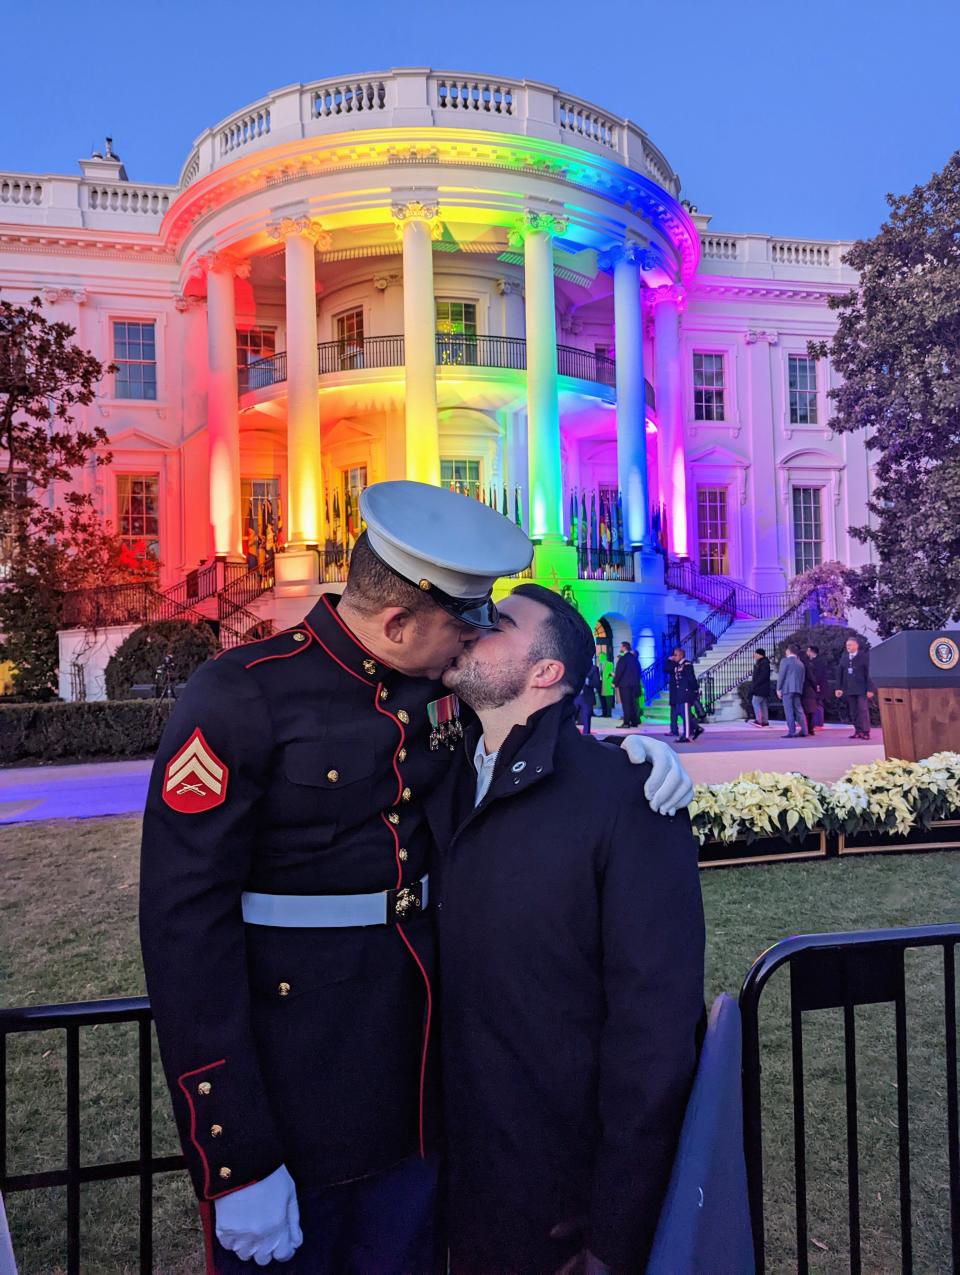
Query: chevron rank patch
point(195, 779)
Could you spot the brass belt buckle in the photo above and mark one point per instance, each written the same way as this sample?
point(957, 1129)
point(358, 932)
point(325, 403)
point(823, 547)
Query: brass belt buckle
point(405, 903)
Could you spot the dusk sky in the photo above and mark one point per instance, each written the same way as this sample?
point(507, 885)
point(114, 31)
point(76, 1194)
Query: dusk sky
point(787, 119)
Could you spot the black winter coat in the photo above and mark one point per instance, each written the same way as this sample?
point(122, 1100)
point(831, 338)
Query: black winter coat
point(302, 1046)
point(627, 672)
point(571, 940)
point(760, 678)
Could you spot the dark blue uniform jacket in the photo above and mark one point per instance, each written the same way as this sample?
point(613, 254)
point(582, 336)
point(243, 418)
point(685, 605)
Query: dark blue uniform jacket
point(303, 1046)
point(684, 687)
point(571, 940)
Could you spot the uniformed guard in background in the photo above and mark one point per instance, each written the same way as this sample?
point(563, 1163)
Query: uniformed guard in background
point(285, 898)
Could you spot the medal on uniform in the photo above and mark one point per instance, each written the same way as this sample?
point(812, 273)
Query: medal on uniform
point(445, 727)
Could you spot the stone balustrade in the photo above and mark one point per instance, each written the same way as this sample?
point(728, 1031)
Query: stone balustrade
point(764, 255)
point(423, 98)
point(79, 202)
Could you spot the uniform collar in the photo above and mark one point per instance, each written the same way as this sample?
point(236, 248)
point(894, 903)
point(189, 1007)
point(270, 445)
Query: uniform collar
point(342, 645)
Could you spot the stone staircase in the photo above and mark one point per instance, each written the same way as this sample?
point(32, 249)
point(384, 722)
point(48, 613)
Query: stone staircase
point(727, 708)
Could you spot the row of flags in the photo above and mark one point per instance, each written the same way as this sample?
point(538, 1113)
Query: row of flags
point(262, 536)
point(492, 497)
point(598, 534)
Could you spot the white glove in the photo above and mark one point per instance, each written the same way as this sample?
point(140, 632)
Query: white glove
point(669, 787)
point(261, 1221)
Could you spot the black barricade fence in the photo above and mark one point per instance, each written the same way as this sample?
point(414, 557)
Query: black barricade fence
point(850, 1114)
point(850, 1102)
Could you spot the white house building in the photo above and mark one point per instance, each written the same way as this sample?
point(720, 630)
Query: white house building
point(480, 282)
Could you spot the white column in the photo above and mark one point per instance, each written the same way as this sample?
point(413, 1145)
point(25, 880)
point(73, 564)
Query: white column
point(418, 228)
point(543, 403)
point(770, 515)
point(223, 420)
point(304, 469)
point(631, 399)
point(668, 302)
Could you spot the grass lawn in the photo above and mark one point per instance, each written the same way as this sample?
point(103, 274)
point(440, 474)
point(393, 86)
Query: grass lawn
point(68, 927)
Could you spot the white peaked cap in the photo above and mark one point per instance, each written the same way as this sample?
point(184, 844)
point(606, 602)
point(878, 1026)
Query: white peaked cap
point(441, 540)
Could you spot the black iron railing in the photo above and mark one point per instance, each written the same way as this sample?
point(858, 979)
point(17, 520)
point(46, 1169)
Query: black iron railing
point(586, 364)
point(604, 564)
point(452, 351)
point(353, 356)
point(830, 972)
point(262, 372)
point(738, 665)
point(712, 589)
point(71, 1019)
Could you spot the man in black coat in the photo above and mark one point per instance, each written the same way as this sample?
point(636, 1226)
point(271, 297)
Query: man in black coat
point(289, 960)
point(814, 687)
point(626, 678)
point(760, 690)
point(571, 940)
point(853, 683)
point(586, 701)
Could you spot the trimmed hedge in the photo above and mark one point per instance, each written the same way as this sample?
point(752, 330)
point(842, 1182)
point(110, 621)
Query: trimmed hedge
point(137, 657)
point(106, 728)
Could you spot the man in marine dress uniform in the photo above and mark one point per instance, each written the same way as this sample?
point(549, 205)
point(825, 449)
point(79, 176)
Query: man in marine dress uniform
point(285, 893)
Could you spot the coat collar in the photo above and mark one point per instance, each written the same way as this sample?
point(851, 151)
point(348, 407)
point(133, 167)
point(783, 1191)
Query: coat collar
point(526, 756)
point(333, 636)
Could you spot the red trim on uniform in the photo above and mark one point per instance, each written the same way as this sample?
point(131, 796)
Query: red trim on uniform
point(350, 634)
point(403, 735)
point(285, 655)
point(193, 1132)
point(207, 1223)
point(365, 680)
point(426, 1031)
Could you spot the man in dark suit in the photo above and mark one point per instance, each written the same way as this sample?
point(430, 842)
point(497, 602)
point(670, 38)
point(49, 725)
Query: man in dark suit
point(571, 941)
point(586, 701)
point(626, 679)
point(815, 687)
point(853, 683)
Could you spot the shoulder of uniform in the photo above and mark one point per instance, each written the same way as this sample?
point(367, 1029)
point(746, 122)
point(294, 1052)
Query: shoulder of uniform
point(278, 646)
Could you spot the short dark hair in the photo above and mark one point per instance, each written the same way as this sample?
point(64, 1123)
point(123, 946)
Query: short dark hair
point(627, 645)
point(564, 635)
point(814, 649)
point(678, 650)
point(760, 651)
point(372, 586)
point(790, 650)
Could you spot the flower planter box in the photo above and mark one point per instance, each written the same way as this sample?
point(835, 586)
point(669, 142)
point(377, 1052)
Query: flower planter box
point(941, 835)
point(727, 854)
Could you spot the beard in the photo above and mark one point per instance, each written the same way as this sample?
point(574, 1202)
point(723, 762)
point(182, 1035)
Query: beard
point(484, 685)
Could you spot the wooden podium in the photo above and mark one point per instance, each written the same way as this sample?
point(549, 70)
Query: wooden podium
point(917, 679)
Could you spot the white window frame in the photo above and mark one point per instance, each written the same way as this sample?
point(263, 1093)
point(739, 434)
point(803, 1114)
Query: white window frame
point(820, 488)
point(723, 387)
point(810, 395)
point(135, 314)
point(132, 472)
point(699, 486)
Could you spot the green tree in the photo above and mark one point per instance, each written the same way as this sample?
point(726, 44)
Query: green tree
point(897, 347)
point(52, 539)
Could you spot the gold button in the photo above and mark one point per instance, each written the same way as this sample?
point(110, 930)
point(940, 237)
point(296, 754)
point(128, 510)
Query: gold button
point(369, 667)
point(393, 817)
point(384, 693)
point(402, 755)
point(216, 1130)
point(404, 716)
point(333, 775)
point(402, 854)
point(226, 1173)
point(204, 1088)
point(284, 989)
point(405, 795)
point(299, 637)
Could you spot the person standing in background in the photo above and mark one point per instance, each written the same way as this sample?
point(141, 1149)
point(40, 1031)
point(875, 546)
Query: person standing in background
point(586, 700)
point(818, 665)
point(760, 688)
point(791, 676)
point(606, 681)
point(685, 698)
point(626, 679)
point(853, 683)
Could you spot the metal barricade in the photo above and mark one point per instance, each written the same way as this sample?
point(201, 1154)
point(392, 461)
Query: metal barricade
point(843, 971)
point(71, 1019)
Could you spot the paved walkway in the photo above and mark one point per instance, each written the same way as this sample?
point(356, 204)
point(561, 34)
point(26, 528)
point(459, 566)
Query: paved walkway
point(722, 752)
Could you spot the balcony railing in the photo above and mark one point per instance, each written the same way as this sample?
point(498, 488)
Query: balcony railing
point(604, 564)
point(508, 352)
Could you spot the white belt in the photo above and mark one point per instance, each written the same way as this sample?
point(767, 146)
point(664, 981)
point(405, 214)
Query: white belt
point(323, 911)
